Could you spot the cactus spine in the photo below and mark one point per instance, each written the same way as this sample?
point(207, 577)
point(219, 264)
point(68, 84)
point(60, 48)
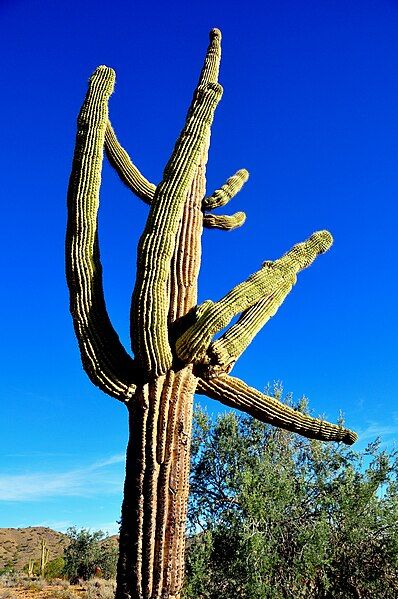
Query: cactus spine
point(172, 337)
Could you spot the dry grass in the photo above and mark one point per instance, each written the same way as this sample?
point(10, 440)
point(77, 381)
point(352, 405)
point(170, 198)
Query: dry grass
point(14, 587)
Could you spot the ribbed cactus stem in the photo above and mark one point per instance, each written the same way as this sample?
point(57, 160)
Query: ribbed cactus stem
point(104, 358)
point(127, 171)
point(44, 558)
point(224, 352)
point(234, 393)
point(193, 344)
point(211, 66)
point(223, 221)
point(226, 192)
point(150, 300)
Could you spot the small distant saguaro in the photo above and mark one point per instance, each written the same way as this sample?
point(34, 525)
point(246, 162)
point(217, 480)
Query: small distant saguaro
point(175, 354)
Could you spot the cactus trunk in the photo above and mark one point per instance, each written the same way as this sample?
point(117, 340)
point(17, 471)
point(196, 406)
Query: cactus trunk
point(152, 532)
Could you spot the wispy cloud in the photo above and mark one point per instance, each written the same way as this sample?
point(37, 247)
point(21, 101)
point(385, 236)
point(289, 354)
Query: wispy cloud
point(374, 430)
point(108, 528)
point(80, 482)
point(388, 433)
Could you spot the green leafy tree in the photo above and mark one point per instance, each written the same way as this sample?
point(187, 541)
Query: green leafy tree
point(274, 515)
point(54, 568)
point(86, 553)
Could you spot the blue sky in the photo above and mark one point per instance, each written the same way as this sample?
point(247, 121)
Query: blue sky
point(310, 108)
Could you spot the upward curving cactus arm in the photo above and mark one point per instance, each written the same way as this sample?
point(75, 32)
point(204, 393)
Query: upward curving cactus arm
point(145, 190)
point(155, 250)
point(104, 358)
point(193, 344)
point(226, 192)
point(224, 222)
point(224, 352)
point(236, 394)
point(127, 171)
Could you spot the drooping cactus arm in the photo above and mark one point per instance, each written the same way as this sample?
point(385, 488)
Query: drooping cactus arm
point(127, 171)
point(104, 358)
point(145, 190)
point(234, 393)
point(193, 344)
point(150, 299)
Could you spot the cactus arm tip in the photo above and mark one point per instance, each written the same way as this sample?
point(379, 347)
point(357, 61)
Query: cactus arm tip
point(215, 33)
point(224, 222)
point(323, 239)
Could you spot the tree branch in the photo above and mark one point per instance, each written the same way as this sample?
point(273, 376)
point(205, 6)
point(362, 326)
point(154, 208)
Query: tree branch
point(234, 393)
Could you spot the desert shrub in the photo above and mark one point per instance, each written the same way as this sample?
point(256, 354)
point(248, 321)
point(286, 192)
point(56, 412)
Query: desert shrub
point(54, 568)
point(98, 588)
point(85, 554)
point(276, 516)
point(33, 585)
point(9, 568)
point(9, 579)
point(7, 594)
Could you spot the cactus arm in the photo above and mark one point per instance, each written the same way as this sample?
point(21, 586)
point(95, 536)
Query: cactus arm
point(226, 192)
point(150, 299)
point(224, 352)
point(234, 393)
point(193, 344)
point(223, 221)
point(145, 190)
point(106, 362)
point(127, 171)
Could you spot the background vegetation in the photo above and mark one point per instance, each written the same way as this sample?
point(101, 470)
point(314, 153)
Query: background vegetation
point(273, 515)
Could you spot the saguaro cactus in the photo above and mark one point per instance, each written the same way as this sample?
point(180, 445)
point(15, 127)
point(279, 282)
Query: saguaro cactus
point(172, 337)
point(44, 557)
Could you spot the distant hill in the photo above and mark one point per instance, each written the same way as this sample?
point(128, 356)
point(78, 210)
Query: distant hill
point(19, 545)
